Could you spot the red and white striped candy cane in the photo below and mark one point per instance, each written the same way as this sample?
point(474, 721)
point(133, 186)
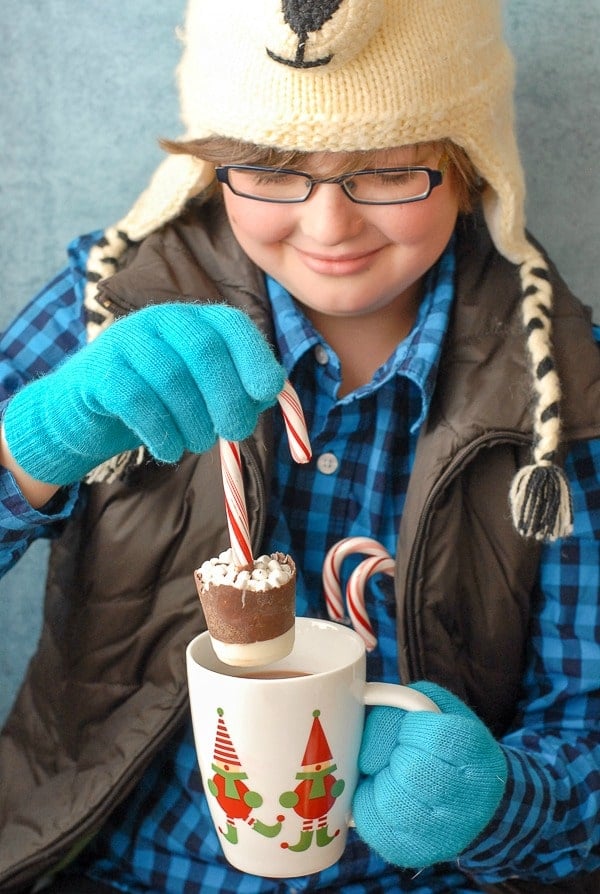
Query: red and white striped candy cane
point(331, 569)
point(233, 482)
point(295, 424)
point(355, 595)
point(235, 502)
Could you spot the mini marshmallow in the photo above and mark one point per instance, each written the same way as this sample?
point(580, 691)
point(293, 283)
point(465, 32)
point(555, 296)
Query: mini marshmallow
point(266, 574)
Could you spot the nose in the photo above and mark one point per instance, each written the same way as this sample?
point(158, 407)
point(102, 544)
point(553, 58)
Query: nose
point(329, 217)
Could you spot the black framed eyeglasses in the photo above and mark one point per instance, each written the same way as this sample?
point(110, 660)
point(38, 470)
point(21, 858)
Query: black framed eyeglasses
point(372, 186)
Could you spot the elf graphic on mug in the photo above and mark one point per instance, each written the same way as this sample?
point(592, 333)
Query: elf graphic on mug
point(230, 790)
point(314, 796)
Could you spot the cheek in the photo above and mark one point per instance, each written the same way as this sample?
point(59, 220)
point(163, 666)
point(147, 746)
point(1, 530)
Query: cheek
point(257, 221)
point(430, 221)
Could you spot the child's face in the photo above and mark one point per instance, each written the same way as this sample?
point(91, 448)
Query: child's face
point(340, 258)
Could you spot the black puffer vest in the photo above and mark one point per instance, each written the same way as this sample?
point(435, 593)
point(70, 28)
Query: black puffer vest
point(107, 689)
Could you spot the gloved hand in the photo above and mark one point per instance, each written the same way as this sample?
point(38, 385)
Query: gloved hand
point(433, 781)
point(172, 377)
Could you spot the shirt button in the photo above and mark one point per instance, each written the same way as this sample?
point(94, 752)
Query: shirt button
point(327, 463)
point(321, 355)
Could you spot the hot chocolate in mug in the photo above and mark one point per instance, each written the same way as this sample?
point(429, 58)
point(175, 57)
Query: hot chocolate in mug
point(278, 746)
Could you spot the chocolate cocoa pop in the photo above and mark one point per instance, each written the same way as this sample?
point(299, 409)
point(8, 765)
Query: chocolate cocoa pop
point(249, 610)
point(249, 604)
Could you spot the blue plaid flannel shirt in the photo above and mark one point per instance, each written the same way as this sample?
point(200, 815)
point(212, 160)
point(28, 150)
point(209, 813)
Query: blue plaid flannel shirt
point(162, 839)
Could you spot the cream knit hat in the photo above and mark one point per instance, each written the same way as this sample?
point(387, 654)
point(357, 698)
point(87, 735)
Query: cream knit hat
point(340, 75)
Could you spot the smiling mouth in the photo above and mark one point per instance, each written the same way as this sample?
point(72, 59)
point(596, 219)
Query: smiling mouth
point(337, 264)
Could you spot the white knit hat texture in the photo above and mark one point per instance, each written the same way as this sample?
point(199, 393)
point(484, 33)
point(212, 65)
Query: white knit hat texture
point(344, 75)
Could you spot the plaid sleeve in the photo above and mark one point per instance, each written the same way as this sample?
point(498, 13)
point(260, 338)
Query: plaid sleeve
point(49, 329)
point(548, 824)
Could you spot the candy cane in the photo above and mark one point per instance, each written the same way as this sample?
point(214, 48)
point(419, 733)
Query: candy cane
point(295, 424)
point(331, 569)
point(380, 561)
point(233, 482)
point(235, 502)
point(355, 595)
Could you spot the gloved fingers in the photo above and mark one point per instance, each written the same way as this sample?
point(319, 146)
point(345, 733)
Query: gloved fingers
point(386, 727)
point(446, 701)
point(177, 393)
point(234, 419)
point(261, 375)
point(383, 726)
point(232, 365)
point(447, 738)
point(437, 780)
point(140, 408)
point(91, 441)
point(170, 384)
point(407, 831)
point(380, 737)
point(233, 412)
point(233, 408)
point(178, 375)
point(457, 742)
point(435, 799)
point(380, 832)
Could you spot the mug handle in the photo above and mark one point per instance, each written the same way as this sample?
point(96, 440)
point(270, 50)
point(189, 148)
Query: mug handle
point(393, 695)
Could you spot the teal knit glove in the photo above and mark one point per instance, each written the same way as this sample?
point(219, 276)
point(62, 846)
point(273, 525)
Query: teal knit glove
point(172, 377)
point(433, 781)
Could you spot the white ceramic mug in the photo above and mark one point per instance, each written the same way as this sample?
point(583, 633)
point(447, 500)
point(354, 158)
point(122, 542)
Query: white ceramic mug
point(278, 754)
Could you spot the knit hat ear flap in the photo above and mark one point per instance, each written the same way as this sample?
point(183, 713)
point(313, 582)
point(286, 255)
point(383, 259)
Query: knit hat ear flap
point(539, 495)
point(177, 179)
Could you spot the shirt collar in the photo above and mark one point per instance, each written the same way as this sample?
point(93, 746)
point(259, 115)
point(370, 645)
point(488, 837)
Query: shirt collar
point(416, 357)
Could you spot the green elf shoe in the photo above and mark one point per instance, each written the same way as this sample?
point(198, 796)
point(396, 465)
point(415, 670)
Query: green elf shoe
point(304, 842)
point(231, 833)
point(266, 830)
point(323, 836)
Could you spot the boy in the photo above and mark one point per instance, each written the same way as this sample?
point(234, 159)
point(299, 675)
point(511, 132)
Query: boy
point(357, 147)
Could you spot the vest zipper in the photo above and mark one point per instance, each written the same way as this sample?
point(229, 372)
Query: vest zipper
point(117, 306)
point(455, 466)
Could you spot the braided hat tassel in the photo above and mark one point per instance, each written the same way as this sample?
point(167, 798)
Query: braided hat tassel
point(539, 496)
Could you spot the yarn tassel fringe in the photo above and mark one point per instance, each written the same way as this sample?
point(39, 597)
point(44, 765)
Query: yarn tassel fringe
point(541, 503)
point(117, 467)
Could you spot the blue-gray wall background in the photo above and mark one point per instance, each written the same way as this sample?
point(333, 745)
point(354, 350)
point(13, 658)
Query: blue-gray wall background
point(87, 86)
